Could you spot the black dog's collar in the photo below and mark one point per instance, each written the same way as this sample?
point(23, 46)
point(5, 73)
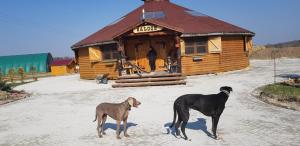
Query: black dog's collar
point(226, 92)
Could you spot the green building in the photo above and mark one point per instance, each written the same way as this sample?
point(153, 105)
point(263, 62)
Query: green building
point(40, 61)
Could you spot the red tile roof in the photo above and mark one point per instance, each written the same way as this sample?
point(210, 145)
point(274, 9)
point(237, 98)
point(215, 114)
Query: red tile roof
point(61, 62)
point(183, 20)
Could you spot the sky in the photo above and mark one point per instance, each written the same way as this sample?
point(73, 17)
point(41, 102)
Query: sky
point(39, 26)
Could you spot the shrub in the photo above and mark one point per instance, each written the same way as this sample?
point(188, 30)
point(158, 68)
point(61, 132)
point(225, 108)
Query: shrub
point(11, 74)
point(21, 73)
point(33, 72)
point(1, 75)
point(4, 86)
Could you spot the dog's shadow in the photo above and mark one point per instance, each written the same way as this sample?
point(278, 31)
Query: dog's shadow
point(113, 126)
point(200, 124)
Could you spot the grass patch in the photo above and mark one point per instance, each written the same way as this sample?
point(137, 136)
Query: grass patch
point(283, 92)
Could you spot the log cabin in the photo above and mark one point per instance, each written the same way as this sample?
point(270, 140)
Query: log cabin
point(63, 66)
point(193, 42)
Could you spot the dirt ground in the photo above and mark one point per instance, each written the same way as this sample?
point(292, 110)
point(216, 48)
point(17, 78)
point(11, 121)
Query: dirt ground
point(61, 111)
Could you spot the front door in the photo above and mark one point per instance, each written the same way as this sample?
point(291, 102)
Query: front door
point(137, 50)
point(162, 51)
point(141, 51)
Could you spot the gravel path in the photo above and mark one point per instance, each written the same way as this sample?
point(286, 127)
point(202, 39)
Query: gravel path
point(61, 111)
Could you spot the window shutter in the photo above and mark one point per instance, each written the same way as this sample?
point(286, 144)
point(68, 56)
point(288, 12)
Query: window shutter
point(94, 54)
point(249, 43)
point(214, 44)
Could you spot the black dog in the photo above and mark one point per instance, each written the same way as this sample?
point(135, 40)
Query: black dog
point(210, 105)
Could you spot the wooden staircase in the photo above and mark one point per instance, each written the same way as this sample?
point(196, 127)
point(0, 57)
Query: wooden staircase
point(149, 80)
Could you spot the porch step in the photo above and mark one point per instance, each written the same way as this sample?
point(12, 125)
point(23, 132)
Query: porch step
point(143, 84)
point(150, 80)
point(149, 76)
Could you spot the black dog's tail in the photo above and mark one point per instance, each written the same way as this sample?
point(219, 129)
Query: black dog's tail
point(95, 117)
point(175, 114)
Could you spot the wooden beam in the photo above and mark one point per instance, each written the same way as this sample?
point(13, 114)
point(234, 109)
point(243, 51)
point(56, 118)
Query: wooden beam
point(148, 84)
point(150, 34)
point(150, 79)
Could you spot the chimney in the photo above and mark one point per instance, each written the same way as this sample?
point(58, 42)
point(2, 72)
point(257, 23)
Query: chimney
point(155, 0)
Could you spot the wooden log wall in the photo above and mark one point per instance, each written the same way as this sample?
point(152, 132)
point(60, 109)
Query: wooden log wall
point(208, 64)
point(90, 69)
point(232, 57)
point(86, 71)
point(58, 70)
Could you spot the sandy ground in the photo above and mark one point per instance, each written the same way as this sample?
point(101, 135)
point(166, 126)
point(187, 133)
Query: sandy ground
point(62, 109)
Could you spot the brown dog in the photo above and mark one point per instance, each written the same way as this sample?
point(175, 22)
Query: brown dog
point(117, 111)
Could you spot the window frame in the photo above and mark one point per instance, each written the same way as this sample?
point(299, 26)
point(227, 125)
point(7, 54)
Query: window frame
point(195, 43)
point(111, 50)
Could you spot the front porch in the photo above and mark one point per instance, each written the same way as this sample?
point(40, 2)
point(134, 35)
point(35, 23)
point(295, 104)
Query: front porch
point(134, 66)
point(159, 78)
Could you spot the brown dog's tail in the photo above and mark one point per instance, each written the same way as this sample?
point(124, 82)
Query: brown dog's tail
point(175, 114)
point(95, 117)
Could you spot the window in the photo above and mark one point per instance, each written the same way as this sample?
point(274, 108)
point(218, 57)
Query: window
point(195, 13)
point(196, 46)
point(109, 52)
point(154, 15)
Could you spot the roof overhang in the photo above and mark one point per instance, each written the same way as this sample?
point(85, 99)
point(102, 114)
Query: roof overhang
point(217, 34)
point(150, 21)
point(183, 35)
point(93, 44)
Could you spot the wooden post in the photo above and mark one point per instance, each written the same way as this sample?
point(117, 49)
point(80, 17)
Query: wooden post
point(274, 55)
point(121, 57)
point(121, 47)
point(178, 47)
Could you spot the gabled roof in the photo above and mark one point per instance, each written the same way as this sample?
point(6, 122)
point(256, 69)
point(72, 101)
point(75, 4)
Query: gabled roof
point(185, 21)
point(61, 62)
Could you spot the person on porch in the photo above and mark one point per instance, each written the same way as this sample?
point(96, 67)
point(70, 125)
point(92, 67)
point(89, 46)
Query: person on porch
point(152, 58)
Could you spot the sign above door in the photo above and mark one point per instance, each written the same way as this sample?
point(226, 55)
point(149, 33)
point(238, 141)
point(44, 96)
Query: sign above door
point(147, 28)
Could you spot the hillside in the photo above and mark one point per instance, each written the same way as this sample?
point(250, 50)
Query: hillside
point(295, 43)
point(289, 49)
